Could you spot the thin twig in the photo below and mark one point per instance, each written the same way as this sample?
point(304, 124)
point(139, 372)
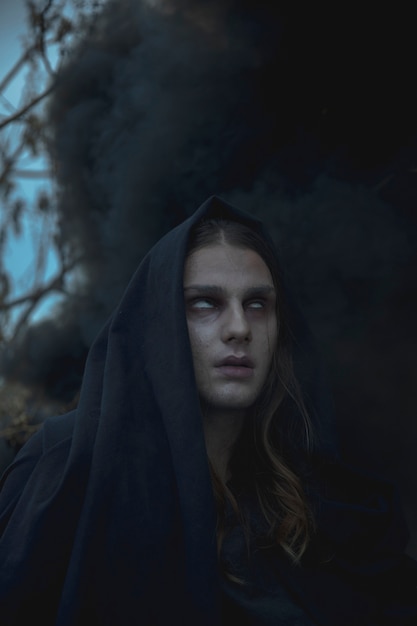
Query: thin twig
point(15, 69)
point(20, 62)
point(33, 174)
point(27, 107)
point(11, 160)
point(53, 285)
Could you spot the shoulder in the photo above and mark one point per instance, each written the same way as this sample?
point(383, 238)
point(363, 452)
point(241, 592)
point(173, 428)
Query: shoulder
point(57, 429)
point(47, 448)
point(54, 431)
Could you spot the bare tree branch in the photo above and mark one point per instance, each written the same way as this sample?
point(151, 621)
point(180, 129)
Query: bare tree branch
point(41, 44)
point(33, 299)
point(54, 284)
point(16, 68)
point(26, 56)
point(21, 112)
point(32, 174)
point(52, 26)
point(47, 64)
point(10, 160)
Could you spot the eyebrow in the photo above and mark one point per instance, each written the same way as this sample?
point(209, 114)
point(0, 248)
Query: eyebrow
point(216, 290)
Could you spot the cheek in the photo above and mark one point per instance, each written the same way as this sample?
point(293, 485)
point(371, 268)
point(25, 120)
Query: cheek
point(198, 341)
point(201, 360)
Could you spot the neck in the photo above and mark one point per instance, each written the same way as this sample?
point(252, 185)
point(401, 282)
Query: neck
point(221, 430)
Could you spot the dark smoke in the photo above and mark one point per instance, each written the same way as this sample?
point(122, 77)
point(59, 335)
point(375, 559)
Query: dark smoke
point(304, 116)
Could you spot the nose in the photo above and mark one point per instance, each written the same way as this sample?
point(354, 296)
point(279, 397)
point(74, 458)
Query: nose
point(236, 326)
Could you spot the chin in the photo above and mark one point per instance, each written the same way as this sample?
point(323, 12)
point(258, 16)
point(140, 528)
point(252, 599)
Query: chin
point(231, 397)
point(229, 403)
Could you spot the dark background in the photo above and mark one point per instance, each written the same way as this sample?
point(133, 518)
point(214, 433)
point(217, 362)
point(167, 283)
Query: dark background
point(302, 114)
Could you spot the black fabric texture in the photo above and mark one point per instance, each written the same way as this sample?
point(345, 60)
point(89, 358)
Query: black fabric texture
point(107, 514)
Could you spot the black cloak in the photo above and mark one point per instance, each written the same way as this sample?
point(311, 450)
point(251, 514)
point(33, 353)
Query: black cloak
point(107, 514)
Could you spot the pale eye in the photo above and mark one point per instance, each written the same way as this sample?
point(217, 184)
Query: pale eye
point(256, 304)
point(203, 303)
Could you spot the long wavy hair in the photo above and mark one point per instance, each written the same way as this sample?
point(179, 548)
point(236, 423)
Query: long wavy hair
point(269, 434)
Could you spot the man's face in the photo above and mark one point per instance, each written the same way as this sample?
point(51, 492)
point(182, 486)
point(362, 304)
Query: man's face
point(231, 317)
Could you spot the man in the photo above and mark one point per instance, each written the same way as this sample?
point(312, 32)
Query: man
point(184, 487)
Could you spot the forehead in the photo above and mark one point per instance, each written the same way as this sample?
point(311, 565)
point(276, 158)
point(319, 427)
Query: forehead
point(222, 263)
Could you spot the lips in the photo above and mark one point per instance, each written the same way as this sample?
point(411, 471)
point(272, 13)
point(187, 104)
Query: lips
point(236, 367)
point(240, 361)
